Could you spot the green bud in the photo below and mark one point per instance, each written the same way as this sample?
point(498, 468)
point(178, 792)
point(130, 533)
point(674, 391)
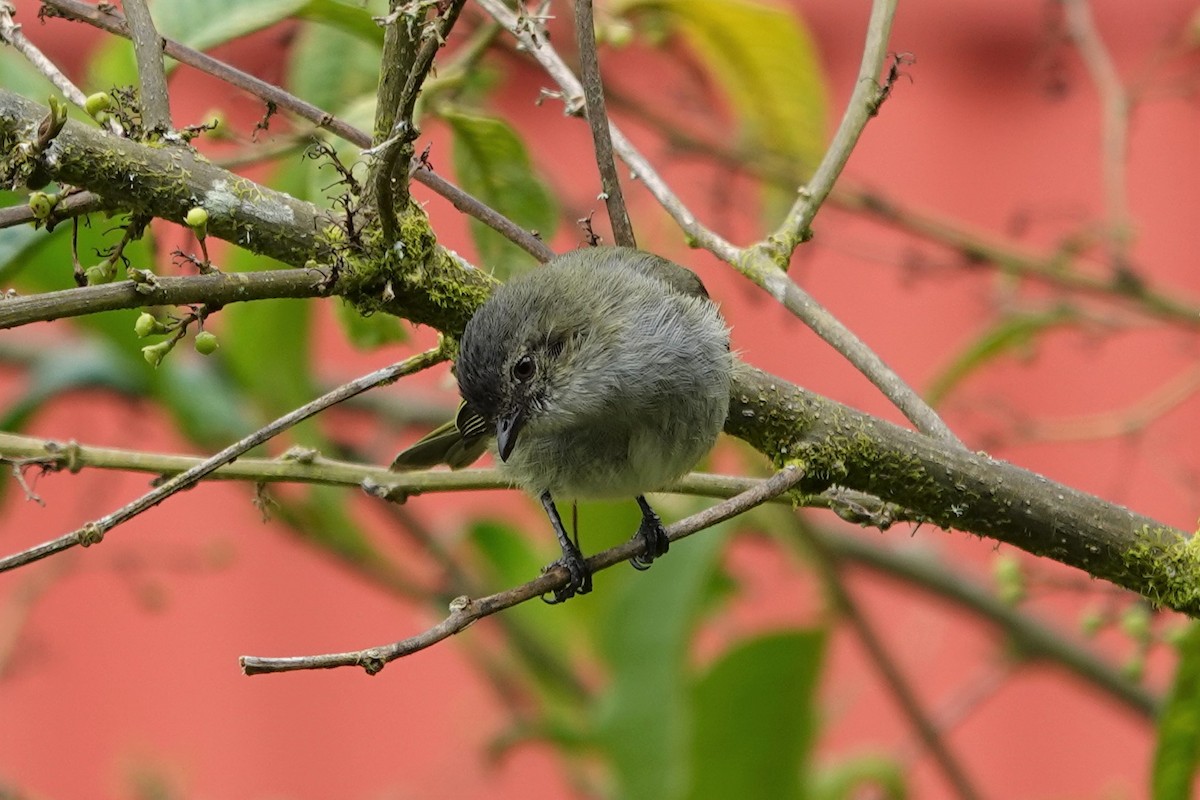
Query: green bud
point(1133, 668)
point(1091, 622)
point(95, 103)
point(206, 343)
point(147, 325)
point(197, 220)
point(100, 273)
point(1136, 622)
point(41, 204)
point(1010, 581)
point(155, 353)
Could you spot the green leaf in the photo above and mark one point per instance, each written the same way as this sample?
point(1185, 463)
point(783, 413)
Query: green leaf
point(88, 364)
point(491, 163)
point(847, 779)
point(644, 718)
point(1177, 751)
point(328, 66)
point(112, 64)
point(765, 61)
point(17, 75)
point(367, 333)
point(755, 719)
point(1013, 332)
point(356, 17)
point(206, 23)
point(204, 402)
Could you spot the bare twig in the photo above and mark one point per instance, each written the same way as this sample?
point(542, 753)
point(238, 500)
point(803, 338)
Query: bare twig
point(148, 50)
point(464, 611)
point(1116, 104)
point(10, 34)
point(94, 531)
point(113, 23)
point(213, 288)
point(597, 117)
point(758, 265)
point(76, 204)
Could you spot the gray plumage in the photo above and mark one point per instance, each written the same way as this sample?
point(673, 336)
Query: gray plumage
point(603, 374)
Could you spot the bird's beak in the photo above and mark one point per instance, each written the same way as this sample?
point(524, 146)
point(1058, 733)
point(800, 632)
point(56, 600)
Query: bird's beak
point(507, 428)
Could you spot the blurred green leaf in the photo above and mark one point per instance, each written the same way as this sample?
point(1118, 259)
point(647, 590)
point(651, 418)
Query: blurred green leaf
point(84, 365)
point(1177, 751)
point(491, 163)
point(367, 333)
point(203, 24)
point(112, 64)
point(204, 402)
point(266, 344)
point(845, 780)
point(356, 17)
point(755, 719)
point(329, 67)
point(17, 75)
point(644, 718)
point(1013, 332)
point(765, 61)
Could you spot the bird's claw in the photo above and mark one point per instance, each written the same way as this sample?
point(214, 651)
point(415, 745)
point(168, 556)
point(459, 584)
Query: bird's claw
point(580, 582)
point(654, 541)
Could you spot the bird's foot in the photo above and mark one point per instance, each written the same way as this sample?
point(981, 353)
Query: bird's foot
point(653, 536)
point(581, 577)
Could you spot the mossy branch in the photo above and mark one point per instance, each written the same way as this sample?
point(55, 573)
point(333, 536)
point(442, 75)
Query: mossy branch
point(837, 446)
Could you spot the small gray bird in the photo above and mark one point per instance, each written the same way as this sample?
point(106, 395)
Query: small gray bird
point(603, 374)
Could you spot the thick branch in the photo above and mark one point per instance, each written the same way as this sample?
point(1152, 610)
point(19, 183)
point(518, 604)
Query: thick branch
point(954, 488)
point(168, 182)
point(148, 49)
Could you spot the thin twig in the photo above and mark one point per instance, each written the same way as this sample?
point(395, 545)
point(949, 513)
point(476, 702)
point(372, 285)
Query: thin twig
point(826, 565)
point(10, 34)
point(76, 204)
point(757, 265)
point(272, 95)
point(1116, 104)
point(597, 117)
point(464, 611)
point(148, 50)
point(94, 531)
point(216, 288)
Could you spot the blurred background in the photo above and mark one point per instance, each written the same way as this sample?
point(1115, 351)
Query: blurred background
point(1039, 287)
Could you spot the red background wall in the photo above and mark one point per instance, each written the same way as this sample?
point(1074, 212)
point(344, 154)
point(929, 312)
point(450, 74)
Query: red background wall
point(126, 661)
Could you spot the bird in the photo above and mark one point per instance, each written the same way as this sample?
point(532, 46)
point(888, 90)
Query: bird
point(603, 374)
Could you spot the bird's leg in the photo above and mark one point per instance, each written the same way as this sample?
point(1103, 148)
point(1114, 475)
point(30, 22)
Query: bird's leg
point(653, 536)
point(572, 558)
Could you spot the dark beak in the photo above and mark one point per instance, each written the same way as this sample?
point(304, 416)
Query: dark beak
point(507, 428)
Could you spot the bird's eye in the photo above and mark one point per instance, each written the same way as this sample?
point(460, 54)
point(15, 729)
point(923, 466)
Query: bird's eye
point(524, 368)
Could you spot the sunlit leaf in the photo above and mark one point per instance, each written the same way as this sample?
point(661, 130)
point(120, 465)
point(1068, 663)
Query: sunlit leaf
point(491, 162)
point(1177, 751)
point(764, 59)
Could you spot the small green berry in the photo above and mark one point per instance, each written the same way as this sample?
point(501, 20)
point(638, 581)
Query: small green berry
point(155, 353)
point(1135, 622)
point(95, 103)
point(206, 343)
point(147, 325)
point(197, 220)
point(1010, 580)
